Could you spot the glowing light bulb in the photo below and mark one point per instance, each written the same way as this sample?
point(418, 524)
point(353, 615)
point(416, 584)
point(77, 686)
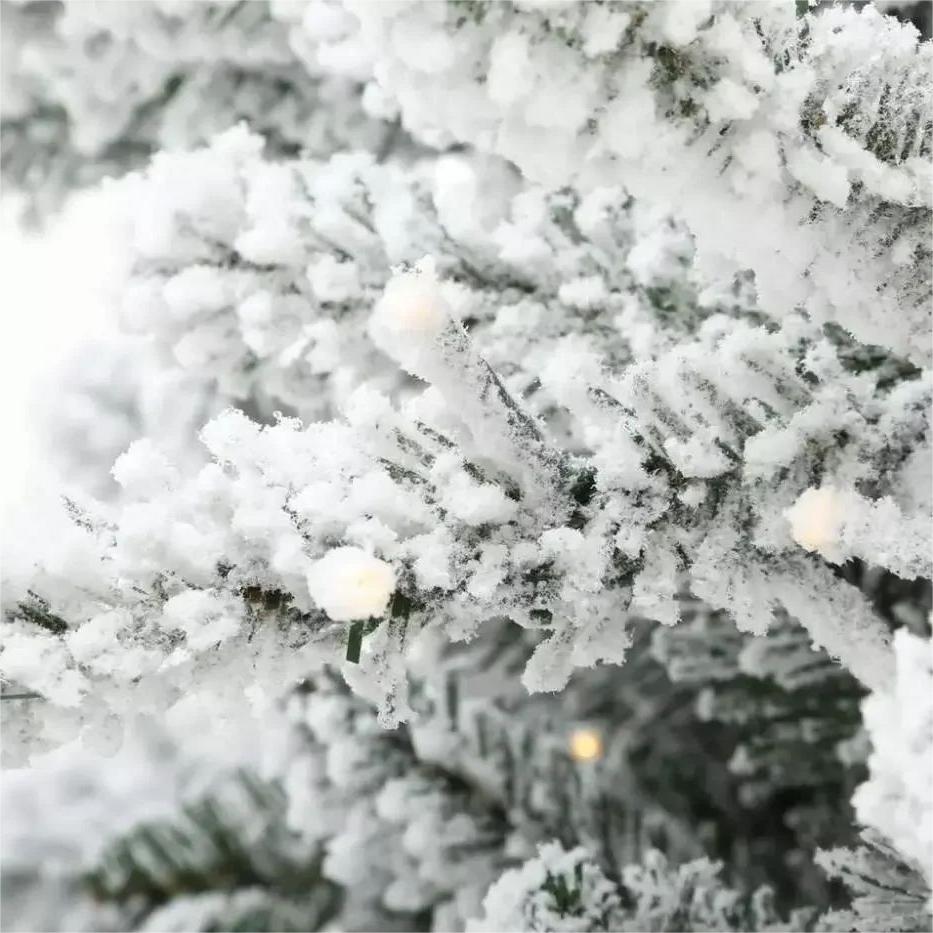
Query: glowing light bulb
point(423, 315)
point(348, 584)
point(412, 308)
point(586, 745)
point(816, 519)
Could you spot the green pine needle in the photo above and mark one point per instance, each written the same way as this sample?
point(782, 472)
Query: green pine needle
point(355, 642)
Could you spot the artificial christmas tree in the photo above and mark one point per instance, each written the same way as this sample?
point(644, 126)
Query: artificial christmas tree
point(541, 468)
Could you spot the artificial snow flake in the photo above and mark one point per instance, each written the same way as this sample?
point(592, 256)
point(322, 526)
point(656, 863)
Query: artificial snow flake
point(897, 798)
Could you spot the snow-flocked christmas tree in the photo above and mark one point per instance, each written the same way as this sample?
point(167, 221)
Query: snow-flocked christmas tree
point(518, 459)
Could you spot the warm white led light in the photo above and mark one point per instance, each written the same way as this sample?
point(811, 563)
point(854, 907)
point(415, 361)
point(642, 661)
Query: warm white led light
point(586, 745)
point(816, 519)
point(412, 305)
point(348, 583)
point(422, 314)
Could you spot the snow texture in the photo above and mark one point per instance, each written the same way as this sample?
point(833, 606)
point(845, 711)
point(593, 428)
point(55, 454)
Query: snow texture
point(490, 375)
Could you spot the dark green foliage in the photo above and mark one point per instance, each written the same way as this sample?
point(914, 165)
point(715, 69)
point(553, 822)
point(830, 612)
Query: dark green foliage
point(36, 610)
point(230, 840)
point(887, 893)
point(355, 642)
point(860, 357)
